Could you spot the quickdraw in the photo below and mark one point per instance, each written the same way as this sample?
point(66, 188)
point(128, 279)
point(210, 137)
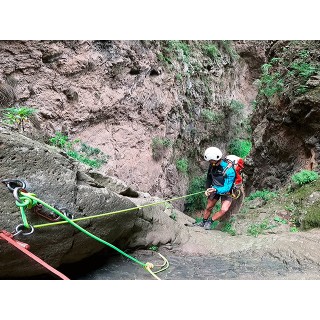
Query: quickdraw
point(17, 186)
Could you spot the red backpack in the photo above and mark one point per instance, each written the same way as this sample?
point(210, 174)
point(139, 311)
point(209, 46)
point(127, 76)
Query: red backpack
point(238, 165)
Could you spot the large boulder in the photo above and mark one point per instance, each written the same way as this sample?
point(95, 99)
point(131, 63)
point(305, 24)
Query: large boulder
point(58, 180)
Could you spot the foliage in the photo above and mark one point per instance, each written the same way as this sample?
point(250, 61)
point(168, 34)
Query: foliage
point(227, 227)
point(236, 106)
point(263, 194)
point(211, 115)
point(79, 150)
point(158, 145)
point(258, 228)
point(182, 165)
point(59, 140)
point(240, 147)
point(270, 83)
point(213, 52)
point(18, 116)
point(304, 69)
point(230, 50)
point(177, 45)
point(198, 201)
point(304, 177)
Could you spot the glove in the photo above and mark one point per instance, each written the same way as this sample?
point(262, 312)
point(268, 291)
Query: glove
point(209, 191)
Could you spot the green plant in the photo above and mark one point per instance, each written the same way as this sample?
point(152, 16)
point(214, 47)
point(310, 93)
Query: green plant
point(59, 140)
point(213, 52)
point(280, 220)
point(158, 145)
point(90, 156)
point(236, 106)
point(230, 50)
point(227, 227)
point(258, 228)
point(263, 194)
point(240, 147)
point(211, 115)
point(302, 89)
point(269, 83)
point(173, 215)
point(182, 165)
point(199, 201)
point(304, 69)
point(304, 54)
point(304, 177)
point(18, 116)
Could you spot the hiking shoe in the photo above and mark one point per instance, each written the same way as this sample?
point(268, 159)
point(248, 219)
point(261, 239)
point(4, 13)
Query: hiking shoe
point(200, 224)
point(207, 225)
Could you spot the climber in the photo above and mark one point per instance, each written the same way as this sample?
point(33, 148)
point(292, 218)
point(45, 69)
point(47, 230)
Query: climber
point(220, 179)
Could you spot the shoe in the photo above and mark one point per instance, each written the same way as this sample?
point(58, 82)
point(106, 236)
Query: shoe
point(200, 224)
point(207, 225)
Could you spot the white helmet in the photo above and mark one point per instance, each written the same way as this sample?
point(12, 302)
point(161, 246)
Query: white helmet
point(212, 153)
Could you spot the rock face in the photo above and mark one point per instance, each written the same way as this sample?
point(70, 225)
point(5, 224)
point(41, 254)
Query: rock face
point(286, 120)
point(121, 95)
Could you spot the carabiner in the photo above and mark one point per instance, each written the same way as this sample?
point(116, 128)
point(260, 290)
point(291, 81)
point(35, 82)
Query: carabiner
point(18, 230)
point(14, 183)
point(16, 194)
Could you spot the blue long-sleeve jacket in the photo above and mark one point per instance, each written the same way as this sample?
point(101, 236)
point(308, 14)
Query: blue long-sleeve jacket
point(220, 178)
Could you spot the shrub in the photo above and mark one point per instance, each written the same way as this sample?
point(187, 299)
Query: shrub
point(198, 201)
point(256, 229)
point(236, 106)
point(263, 194)
point(211, 115)
point(182, 165)
point(240, 147)
point(158, 146)
point(304, 177)
point(213, 52)
point(90, 156)
point(269, 83)
point(18, 116)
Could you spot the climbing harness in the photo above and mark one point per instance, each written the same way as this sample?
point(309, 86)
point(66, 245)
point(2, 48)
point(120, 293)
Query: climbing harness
point(24, 247)
point(28, 200)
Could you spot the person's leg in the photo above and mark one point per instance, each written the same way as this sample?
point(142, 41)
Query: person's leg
point(212, 200)
point(210, 205)
point(225, 205)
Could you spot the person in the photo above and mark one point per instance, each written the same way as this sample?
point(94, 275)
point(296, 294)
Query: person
point(220, 178)
point(238, 164)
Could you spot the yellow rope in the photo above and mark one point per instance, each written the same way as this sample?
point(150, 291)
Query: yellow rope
point(148, 267)
point(114, 212)
point(165, 264)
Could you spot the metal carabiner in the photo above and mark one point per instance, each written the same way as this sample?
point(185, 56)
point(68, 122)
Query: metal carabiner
point(12, 184)
point(16, 193)
point(18, 230)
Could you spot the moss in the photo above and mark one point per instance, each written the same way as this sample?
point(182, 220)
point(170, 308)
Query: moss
point(312, 217)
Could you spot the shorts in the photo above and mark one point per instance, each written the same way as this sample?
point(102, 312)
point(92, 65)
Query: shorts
point(223, 197)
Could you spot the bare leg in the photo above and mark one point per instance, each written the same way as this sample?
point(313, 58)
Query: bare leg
point(224, 208)
point(210, 206)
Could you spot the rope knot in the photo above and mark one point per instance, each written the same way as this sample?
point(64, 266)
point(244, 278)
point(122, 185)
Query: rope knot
point(149, 265)
point(26, 202)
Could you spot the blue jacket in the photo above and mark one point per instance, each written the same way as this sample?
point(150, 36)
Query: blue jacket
point(219, 178)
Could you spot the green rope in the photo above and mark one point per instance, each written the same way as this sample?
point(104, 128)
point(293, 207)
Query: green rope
point(81, 229)
point(114, 212)
point(25, 202)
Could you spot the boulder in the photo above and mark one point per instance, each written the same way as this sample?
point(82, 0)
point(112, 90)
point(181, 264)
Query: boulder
point(58, 180)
